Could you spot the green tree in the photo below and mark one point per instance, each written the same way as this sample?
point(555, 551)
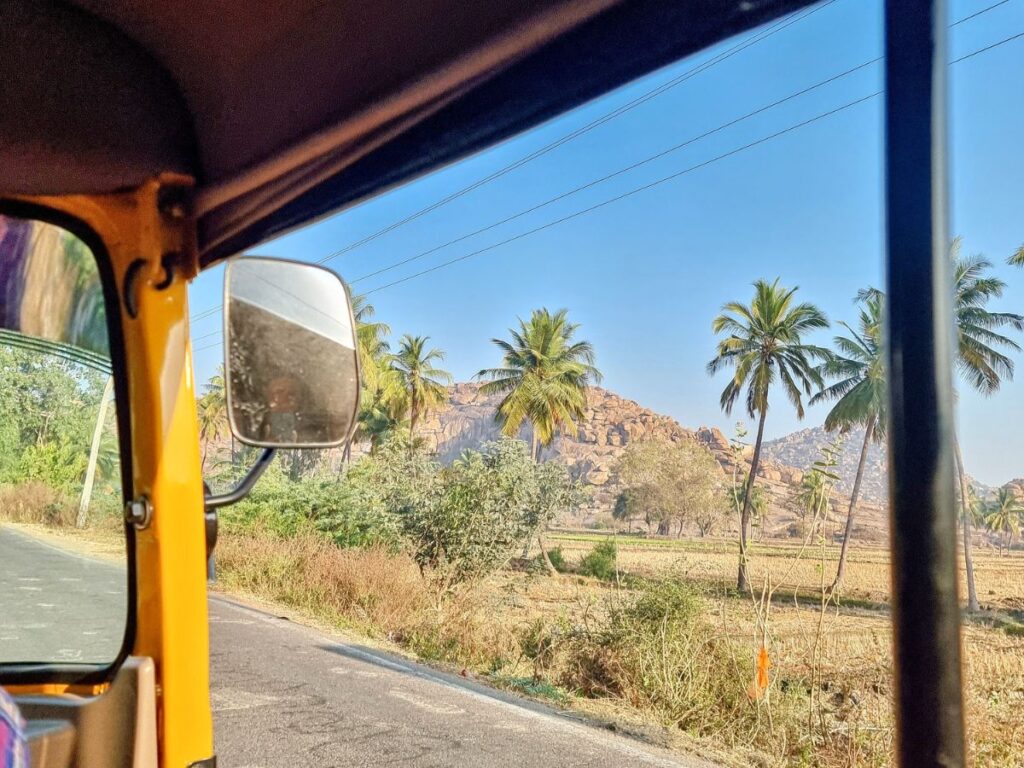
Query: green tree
point(371, 336)
point(980, 361)
point(426, 384)
point(861, 395)
point(1016, 259)
point(213, 412)
point(1003, 516)
point(765, 345)
point(675, 482)
point(544, 377)
point(384, 397)
point(470, 518)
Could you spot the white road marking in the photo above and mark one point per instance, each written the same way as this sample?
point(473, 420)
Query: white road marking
point(340, 670)
point(416, 701)
point(227, 699)
point(31, 589)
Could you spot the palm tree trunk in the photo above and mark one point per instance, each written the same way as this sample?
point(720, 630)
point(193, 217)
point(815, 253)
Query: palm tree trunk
point(965, 504)
point(414, 413)
point(850, 513)
point(742, 581)
point(534, 443)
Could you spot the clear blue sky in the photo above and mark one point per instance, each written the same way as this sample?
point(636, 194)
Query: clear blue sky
point(645, 276)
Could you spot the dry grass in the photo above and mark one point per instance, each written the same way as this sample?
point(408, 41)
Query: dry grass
point(999, 577)
point(32, 502)
point(370, 589)
point(829, 701)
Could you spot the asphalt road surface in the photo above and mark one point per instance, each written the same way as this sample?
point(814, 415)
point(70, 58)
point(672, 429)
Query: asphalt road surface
point(57, 605)
point(285, 695)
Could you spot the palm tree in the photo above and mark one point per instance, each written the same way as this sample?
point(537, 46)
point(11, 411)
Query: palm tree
point(765, 345)
point(427, 385)
point(860, 395)
point(213, 411)
point(1003, 516)
point(383, 409)
point(544, 377)
point(1016, 259)
point(979, 361)
point(372, 340)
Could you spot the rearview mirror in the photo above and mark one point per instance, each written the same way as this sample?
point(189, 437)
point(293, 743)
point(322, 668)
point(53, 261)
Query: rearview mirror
point(291, 363)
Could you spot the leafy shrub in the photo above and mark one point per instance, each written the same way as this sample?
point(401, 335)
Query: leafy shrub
point(658, 652)
point(600, 562)
point(469, 519)
point(349, 510)
point(557, 559)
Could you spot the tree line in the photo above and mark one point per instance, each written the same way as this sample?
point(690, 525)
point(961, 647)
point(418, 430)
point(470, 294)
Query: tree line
point(764, 346)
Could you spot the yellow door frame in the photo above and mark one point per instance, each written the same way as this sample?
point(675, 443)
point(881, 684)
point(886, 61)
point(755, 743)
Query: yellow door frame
point(149, 234)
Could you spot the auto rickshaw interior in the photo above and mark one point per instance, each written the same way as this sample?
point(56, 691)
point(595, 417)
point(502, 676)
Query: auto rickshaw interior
point(143, 142)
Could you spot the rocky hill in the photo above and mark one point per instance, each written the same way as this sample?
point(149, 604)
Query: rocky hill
point(803, 448)
point(612, 422)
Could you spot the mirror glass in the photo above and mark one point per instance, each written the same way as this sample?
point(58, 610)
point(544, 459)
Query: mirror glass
point(64, 590)
point(291, 360)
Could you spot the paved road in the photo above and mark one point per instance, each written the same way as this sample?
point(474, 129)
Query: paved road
point(56, 605)
point(285, 695)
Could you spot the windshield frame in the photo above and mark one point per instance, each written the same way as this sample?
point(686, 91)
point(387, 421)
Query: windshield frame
point(28, 673)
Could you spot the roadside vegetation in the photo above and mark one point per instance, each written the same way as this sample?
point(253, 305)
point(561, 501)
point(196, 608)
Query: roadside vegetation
point(679, 615)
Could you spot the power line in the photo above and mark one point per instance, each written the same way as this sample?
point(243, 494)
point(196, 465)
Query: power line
point(607, 117)
point(643, 98)
point(637, 165)
point(978, 13)
point(629, 193)
point(620, 171)
point(666, 178)
point(989, 47)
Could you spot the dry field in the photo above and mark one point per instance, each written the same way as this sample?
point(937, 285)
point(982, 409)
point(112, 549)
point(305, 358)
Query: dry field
point(853, 646)
point(999, 577)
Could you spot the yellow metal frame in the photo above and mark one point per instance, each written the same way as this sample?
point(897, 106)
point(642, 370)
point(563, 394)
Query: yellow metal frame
point(150, 232)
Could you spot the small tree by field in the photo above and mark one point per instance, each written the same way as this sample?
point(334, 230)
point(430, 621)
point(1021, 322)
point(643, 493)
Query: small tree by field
point(468, 520)
point(670, 484)
point(544, 374)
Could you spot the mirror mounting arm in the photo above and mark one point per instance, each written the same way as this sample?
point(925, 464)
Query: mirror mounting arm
point(245, 485)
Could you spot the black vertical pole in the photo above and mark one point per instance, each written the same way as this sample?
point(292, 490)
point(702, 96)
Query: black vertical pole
point(929, 704)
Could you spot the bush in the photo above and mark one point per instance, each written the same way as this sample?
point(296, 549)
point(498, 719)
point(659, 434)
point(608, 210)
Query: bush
point(376, 590)
point(658, 652)
point(600, 562)
point(348, 510)
point(470, 519)
point(38, 503)
point(557, 559)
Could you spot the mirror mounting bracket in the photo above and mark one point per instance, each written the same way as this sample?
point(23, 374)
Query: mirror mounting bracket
point(244, 486)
